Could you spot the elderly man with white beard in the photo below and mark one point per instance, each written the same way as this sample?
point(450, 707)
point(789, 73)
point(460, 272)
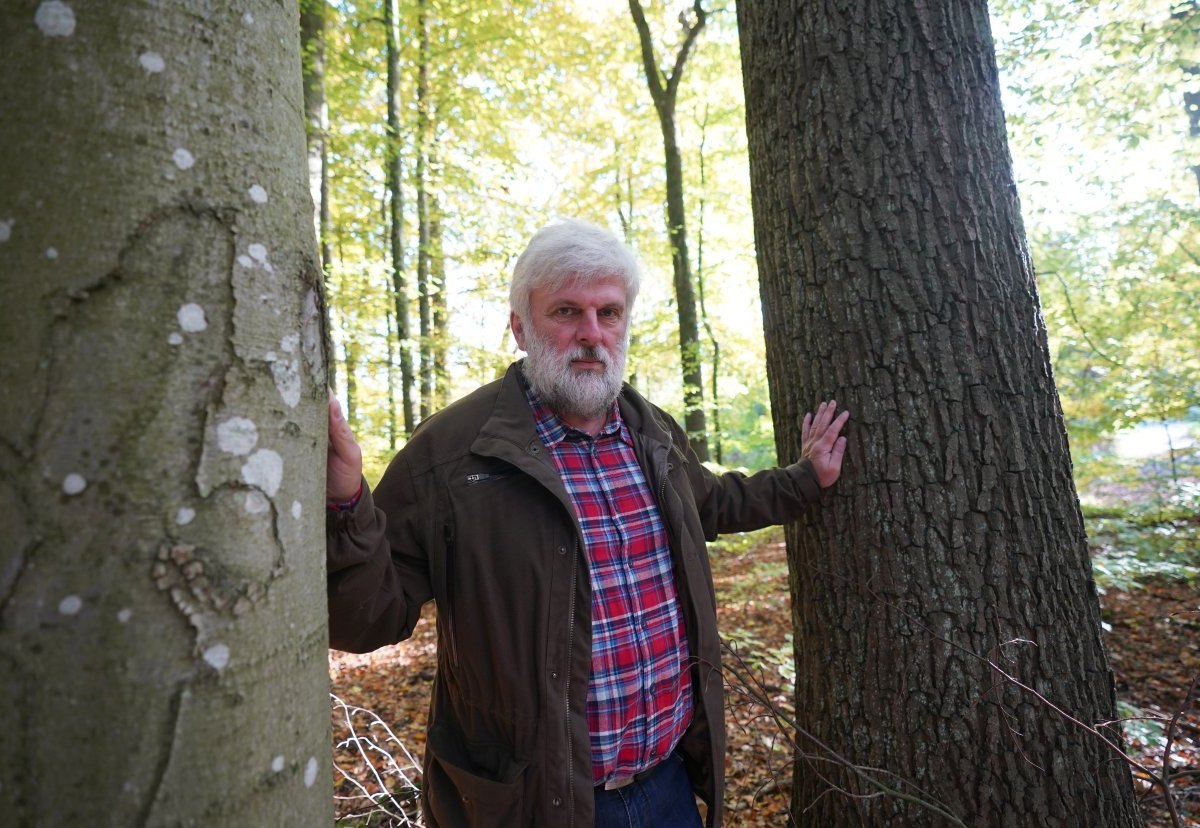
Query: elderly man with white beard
point(558, 520)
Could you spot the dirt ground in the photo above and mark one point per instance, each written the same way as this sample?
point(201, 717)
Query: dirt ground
point(1152, 636)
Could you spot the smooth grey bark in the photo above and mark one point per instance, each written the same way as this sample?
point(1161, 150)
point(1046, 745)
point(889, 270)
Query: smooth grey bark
point(896, 279)
point(395, 182)
point(162, 621)
point(664, 90)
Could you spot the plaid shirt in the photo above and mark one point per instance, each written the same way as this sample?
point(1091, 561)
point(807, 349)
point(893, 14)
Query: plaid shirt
point(639, 699)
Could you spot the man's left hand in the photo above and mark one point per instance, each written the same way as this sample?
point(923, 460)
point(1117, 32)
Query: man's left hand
point(821, 443)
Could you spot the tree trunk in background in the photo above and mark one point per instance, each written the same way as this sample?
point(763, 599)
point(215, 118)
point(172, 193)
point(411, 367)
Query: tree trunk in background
point(162, 612)
point(441, 307)
point(713, 343)
point(395, 180)
point(664, 96)
point(424, 309)
point(316, 111)
point(896, 278)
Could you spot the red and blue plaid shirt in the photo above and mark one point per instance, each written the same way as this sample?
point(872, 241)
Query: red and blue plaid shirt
point(639, 699)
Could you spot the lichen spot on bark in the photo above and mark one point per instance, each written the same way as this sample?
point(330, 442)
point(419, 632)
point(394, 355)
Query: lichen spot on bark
point(310, 772)
point(183, 159)
point(124, 615)
point(237, 435)
point(256, 503)
point(258, 194)
point(6, 229)
point(297, 510)
point(264, 470)
point(55, 19)
point(277, 763)
point(217, 656)
point(174, 338)
point(51, 252)
point(191, 318)
point(258, 253)
point(74, 483)
point(71, 605)
point(152, 62)
point(185, 516)
point(248, 19)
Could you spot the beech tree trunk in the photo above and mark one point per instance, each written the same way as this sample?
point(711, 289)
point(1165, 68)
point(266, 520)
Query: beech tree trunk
point(896, 278)
point(664, 90)
point(395, 186)
point(162, 612)
point(316, 113)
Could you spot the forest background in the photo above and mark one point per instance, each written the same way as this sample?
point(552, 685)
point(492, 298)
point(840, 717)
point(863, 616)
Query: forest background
point(507, 115)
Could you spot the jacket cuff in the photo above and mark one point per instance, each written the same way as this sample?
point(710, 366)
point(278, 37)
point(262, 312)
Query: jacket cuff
point(805, 478)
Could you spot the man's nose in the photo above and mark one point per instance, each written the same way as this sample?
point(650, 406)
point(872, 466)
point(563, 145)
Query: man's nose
point(589, 328)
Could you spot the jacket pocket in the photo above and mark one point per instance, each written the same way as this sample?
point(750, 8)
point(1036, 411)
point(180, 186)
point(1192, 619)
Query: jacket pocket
point(483, 787)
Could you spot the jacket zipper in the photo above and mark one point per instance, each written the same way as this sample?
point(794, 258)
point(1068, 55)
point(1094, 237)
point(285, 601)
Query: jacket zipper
point(567, 688)
point(448, 532)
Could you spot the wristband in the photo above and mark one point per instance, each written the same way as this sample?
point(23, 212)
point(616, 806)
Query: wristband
point(346, 506)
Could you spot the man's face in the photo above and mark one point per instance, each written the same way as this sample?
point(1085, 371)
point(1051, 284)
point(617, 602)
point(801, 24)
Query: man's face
point(576, 339)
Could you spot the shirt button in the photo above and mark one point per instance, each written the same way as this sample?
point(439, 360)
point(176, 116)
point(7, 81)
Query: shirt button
point(562, 550)
point(557, 801)
point(554, 674)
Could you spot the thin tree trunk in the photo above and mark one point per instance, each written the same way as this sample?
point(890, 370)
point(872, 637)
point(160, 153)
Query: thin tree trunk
point(715, 374)
point(425, 310)
point(950, 560)
point(162, 623)
point(664, 90)
point(441, 307)
point(395, 180)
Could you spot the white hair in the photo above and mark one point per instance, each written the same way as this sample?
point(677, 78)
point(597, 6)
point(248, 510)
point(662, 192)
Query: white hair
point(569, 251)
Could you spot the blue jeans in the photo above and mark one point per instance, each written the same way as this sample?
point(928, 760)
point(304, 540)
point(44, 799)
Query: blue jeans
point(663, 799)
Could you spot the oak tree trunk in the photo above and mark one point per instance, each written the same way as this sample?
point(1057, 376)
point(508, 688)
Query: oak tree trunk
point(951, 556)
point(162, 439)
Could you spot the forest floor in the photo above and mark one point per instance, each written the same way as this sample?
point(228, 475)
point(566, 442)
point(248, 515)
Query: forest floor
point(1151, 635)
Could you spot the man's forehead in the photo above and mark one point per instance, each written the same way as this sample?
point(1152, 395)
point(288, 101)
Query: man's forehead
point(606, 289)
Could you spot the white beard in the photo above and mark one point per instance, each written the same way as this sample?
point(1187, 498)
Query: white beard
point(571, 393)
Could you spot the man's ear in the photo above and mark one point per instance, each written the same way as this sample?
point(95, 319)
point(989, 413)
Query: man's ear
point(518, 329)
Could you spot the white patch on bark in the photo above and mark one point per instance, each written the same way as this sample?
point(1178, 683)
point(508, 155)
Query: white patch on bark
point(217, 656)
point(55, 19)
point(264, 470)
point(297, 509)
point(237, 435)
point(287, 378)
point(70, 605)
point(6, 229)
point(310, 772)
point(152, 62)
point(248, 19)
point(245, 261)
point(258, 252)
point(183, 159)
point(257, 503)
point(185, 516)
point(277, 763)
point(51, 252)
point(258, 194)
point(174, 338)
point(124, 615)
point(191, 318)
point(289, 342)
point(74, 483)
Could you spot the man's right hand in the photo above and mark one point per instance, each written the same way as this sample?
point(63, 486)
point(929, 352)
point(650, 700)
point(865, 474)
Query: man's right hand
point(343, 467)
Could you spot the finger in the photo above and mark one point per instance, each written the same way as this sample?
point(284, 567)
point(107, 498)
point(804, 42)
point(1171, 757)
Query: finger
point(838, 453)
point(806, 426)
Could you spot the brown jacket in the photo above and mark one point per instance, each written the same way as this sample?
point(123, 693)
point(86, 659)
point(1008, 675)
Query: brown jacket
point(472, 514)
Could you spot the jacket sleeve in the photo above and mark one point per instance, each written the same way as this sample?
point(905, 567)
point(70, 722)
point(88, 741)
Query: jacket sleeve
point(735, 502)
point(377, 568)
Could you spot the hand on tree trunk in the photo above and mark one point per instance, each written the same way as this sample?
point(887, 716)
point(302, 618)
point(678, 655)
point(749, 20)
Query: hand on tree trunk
point(343, 468)
point(821, 443)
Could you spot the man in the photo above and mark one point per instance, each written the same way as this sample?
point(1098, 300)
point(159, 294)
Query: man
point(559, 520)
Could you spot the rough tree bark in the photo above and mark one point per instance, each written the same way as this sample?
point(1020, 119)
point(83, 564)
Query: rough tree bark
point(395, 182)
point(896, 278)
point(162, 622)
point(664, 89)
